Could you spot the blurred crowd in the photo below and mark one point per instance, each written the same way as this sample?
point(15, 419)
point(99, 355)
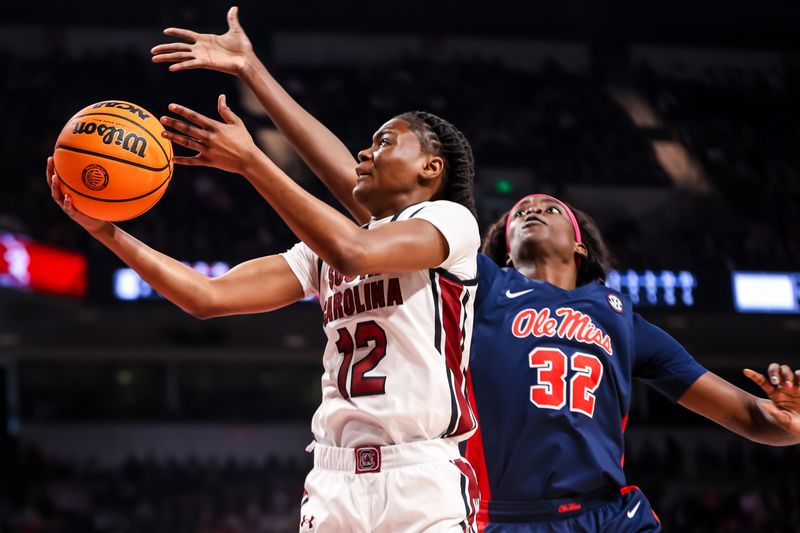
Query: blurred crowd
point(744, 126)
point(158, 496)
point(735, 488)
point(557, 127)
point(746, 488)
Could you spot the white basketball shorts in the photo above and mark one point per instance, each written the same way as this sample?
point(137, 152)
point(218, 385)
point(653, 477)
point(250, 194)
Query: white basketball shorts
point(413, 487)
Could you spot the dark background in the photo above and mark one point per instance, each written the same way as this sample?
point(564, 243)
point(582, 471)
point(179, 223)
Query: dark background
point(132, 416)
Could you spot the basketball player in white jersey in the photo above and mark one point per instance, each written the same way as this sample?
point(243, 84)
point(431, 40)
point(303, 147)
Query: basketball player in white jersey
point(396, 297)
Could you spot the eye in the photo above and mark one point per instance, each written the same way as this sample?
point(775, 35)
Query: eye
point(521, 213)
point(383, 142)
point(553, 209)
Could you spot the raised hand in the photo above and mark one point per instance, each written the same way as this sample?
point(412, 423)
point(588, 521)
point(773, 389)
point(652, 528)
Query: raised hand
point(225, 145)
point(783, 389)
point(92, 225)
point(229, 52)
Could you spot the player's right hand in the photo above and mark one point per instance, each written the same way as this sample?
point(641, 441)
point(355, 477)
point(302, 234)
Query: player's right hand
point(92, 225)
point(229, 52)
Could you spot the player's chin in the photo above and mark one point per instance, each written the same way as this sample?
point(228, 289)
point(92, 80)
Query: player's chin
point(534, 232)
point(534, 237)
point(363, 193)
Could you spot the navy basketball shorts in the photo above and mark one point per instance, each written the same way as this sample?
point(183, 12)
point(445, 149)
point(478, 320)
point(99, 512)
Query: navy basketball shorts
point(630, 512)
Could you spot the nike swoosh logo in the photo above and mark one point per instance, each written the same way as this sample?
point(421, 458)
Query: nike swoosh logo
point(515, 294)
point(632, 512)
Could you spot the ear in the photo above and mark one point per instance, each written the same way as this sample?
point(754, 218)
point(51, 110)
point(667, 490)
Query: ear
point(581, 250)
point(433, 167)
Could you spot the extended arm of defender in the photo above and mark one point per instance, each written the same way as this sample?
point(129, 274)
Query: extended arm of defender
point(774, 421)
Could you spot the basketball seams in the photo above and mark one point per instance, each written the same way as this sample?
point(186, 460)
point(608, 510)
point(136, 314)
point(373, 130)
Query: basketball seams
point(112, 200)
point(123, 162)
point(111, 157)
point(126, 119)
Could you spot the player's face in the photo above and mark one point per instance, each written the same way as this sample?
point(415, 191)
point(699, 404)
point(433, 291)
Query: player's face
point(538, 222)
point(390, 168)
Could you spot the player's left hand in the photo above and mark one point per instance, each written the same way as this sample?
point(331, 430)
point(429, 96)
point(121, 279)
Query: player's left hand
point(783, 390)
point(224, 145)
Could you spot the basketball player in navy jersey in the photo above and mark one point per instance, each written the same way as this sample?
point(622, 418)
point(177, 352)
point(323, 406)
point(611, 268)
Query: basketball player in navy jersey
point(554, 350)
point(553, 359)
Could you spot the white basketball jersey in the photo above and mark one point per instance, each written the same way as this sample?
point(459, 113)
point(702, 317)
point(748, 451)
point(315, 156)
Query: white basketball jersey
point(398, 343)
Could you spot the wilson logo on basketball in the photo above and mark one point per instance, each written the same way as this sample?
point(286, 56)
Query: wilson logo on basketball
point(94, 177)
point(111, 134)
point(125, 106)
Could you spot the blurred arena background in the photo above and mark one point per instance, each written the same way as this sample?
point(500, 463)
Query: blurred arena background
point(674, 124)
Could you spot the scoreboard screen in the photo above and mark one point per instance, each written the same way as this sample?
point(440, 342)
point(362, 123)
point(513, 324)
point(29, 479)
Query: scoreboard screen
point(766, 292)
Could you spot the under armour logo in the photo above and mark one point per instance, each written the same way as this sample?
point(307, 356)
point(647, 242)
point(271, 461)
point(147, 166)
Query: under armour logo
point(307, 521)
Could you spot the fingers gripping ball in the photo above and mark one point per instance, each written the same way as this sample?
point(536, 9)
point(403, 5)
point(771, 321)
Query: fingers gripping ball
point(113, 161)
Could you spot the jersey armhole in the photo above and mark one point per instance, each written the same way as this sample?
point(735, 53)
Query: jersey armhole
point(449, 275)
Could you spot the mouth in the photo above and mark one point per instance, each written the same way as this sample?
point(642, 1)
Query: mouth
point(362, 174)
point(533, 220)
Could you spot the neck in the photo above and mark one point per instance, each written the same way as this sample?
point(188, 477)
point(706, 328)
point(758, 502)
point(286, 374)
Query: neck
point(397, 203)
point(554, 271)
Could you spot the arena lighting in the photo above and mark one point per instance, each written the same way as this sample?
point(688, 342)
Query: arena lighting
point(129, 286)
point(28, 265)
point(766, 292)
point(655, 288)
point(504, 186)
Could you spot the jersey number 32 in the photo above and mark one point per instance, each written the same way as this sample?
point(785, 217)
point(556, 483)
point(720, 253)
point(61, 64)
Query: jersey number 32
point(552, 391)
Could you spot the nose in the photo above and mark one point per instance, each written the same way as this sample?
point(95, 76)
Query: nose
point(364, 155)
point(532, 210)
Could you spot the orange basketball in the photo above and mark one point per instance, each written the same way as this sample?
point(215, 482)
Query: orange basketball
point(113, 161)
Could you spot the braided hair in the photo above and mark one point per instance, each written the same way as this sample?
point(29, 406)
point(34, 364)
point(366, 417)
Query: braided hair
point(439, 137)
point(599, 258)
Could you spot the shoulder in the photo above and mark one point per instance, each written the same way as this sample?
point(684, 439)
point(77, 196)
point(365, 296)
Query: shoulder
point(616, 301)
point(453, 220)
point(486, 263)
point(443, 207)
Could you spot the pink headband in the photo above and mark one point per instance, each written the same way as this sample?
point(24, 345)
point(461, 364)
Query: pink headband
point(570, 214)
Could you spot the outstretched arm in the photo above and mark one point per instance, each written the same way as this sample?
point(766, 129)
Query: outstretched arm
point(259, 285)
point(404, 246)
point(233, 53)
point(774, 420)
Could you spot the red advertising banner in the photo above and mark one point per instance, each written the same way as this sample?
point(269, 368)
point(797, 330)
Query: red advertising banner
point(26, 264)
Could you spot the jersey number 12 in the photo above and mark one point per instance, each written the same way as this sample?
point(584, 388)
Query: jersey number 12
point(360, 383)
point(551, 392)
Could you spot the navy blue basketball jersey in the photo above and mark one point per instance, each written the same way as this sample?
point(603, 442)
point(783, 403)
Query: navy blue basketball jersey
point(551, 374)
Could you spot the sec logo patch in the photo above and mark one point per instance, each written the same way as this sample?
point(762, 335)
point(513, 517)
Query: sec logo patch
point(615, 302)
